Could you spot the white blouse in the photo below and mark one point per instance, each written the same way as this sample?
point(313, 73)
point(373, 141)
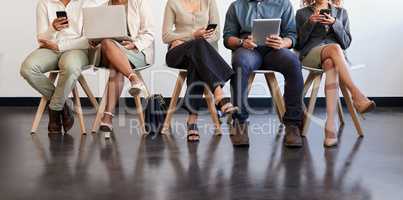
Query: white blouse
point(68, 38)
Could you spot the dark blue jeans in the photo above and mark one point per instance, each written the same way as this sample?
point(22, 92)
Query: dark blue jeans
point(245, 61)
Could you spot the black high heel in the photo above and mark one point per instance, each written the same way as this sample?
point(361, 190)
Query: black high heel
point(226, 106)
point(193, 132)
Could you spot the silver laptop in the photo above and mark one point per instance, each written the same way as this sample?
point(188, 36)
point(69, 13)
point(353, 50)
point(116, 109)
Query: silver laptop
point(261, 28)
point(105, 23)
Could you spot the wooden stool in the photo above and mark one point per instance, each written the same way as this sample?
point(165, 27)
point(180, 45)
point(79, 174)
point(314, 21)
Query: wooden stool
point(314, 79)
point(175, 96)
point(76, 99)
point(272, 83)
point(137, 101)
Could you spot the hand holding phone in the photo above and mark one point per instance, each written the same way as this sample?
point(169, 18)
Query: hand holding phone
point(211, 27)
point(325, 11)
point(61, 22)
point(327, 17)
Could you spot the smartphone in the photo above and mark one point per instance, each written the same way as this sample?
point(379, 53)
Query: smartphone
point(61, 14)
point(211, 27)
point(327, 11)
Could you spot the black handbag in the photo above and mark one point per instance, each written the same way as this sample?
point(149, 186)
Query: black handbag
point(154, 114)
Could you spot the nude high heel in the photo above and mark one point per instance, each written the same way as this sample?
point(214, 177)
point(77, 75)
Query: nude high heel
point(330, 141)
point(364, 106)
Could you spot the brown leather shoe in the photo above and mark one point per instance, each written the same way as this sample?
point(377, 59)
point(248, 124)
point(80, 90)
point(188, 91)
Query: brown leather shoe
point(55, 123)
point(239, 134)
point(67, 117)
point(292, 136)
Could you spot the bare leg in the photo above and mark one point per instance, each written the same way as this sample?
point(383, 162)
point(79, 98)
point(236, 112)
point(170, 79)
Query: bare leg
point(335, 53)
point(331, 91)
point(118, 60)
point(218, 93)
point(115, 88)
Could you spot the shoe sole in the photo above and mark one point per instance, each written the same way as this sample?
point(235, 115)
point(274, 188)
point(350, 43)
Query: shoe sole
point(54, 133)
point(241, 145)
point(370, 108)
point(293, 145)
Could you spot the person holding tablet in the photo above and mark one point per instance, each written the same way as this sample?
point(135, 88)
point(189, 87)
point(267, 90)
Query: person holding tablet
point(192, 38)
point(274, 55)
point(323, 35)
point(61, 47)
point(122, 57)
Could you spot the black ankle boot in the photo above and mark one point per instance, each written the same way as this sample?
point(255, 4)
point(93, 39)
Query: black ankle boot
point(67, 117)
point(55, 122)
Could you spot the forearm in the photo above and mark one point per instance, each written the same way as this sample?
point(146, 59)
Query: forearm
point(79, 43)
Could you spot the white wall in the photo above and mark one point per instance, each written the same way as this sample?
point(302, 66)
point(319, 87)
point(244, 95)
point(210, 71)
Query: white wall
point(377, 28)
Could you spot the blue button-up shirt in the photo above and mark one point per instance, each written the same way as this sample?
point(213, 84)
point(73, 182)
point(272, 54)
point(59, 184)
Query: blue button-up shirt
point(241, 13)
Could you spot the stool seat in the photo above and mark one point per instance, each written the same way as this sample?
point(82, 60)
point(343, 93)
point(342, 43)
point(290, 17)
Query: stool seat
point(313, 69)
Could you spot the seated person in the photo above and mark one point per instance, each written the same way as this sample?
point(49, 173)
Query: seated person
point(194, 48)
point(321, 41)
point(61, 47)
point(121, 58)
point(275, 55)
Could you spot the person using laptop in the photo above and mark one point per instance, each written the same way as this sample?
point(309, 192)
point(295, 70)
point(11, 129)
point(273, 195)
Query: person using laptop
point(191, 29)
point(121, 57)
point(61, 47)
point(274, 55)
point(323, 35)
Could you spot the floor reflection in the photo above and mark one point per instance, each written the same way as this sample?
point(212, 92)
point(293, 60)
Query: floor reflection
point(165, 167)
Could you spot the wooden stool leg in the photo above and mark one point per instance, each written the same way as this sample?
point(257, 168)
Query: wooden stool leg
point(140, 113)
point(88, 91)
point(213, 111)
point(351, 109)
point(250, 81)
point(340, 112)
point(39, 114)
point(79, 110)
point(141, 78)
point(308, 83)
point(100, 111)
point(174, 100)
point(42, 106)
point(312, 102)
point(276, 95)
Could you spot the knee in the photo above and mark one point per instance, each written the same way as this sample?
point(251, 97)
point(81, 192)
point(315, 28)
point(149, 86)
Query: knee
point(328, 64)
point(335, 49)
point(71, 70)
point(291, 64)
point(245, 60)
point(106, 44)
point(27, 69)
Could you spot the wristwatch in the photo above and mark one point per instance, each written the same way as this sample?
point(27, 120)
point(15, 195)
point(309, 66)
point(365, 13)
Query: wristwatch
point(241, 42)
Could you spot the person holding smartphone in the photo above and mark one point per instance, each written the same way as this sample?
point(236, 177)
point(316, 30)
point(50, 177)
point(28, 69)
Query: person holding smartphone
point(121, 57)
point(192, 38)
point(61, 47)
point(274, 55)
point(323, 35)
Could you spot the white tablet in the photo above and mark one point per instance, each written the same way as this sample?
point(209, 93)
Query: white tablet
point(261, 28)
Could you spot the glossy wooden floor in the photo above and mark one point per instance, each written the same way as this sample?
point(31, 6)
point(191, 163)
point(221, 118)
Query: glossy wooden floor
point(130, 167)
